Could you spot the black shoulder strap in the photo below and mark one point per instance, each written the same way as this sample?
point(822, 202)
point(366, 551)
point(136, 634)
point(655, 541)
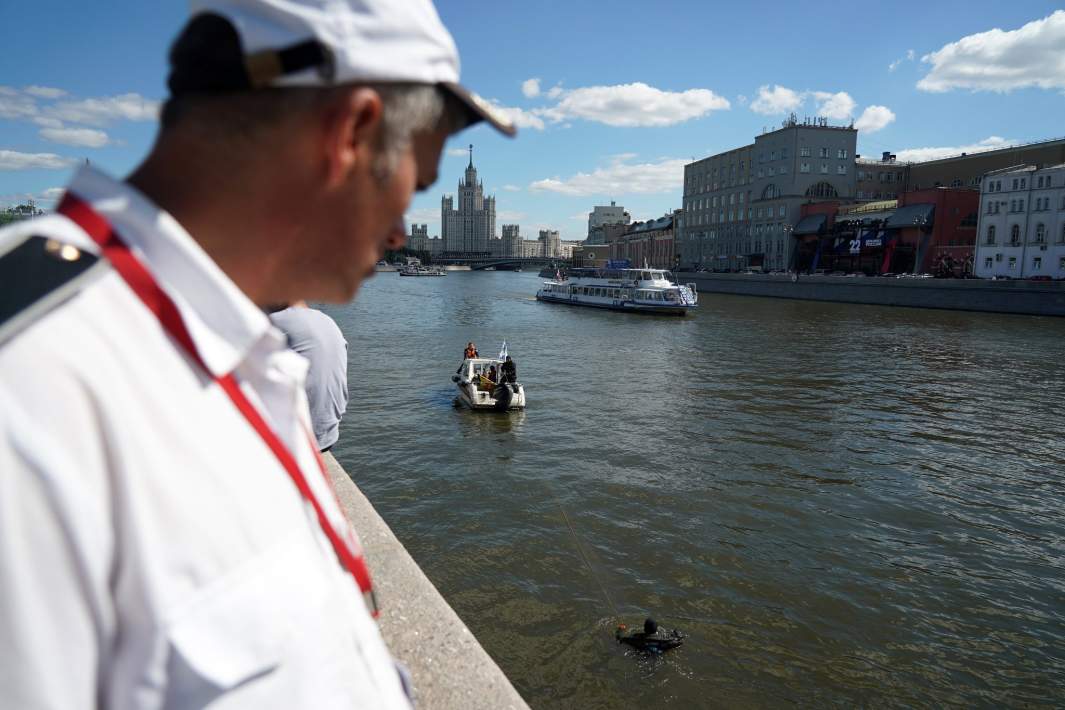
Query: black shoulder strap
point(37, 275)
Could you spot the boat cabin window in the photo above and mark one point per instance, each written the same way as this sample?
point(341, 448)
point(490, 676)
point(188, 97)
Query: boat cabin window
point(645, 275)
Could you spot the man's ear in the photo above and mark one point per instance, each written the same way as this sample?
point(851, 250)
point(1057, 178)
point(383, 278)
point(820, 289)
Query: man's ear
point(350, 127)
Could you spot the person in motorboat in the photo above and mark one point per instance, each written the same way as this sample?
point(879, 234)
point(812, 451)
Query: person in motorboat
point(651, 639)
point(471, 352)
point(508, 371)
point(487, 380)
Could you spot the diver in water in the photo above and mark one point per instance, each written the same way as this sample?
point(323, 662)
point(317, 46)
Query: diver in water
point(651, 639)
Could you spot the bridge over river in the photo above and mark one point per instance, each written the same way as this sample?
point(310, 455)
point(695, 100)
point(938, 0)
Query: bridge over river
point(480, 263)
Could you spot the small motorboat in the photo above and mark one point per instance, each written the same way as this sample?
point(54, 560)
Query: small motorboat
point(478, 391)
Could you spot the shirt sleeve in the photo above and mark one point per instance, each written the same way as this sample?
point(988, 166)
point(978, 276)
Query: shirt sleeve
point(53, 590)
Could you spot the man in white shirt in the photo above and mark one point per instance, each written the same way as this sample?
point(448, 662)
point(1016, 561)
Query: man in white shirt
point(168, 538)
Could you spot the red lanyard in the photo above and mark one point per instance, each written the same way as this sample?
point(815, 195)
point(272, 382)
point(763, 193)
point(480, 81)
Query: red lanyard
point(140, 280)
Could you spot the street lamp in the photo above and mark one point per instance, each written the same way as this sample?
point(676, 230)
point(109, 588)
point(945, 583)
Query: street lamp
point(919, 222)
point(787, 229)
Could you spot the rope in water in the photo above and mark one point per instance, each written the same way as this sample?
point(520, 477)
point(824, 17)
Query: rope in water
point(580, 551)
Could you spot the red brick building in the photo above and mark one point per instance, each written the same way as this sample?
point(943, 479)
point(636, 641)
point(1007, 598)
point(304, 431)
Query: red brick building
point(924, 231)
point(649, 242)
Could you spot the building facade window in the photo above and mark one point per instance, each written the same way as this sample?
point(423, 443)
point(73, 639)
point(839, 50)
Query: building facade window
point(804, 167)
point(1012, 263)
point(1037, 263)
point(988, 262)
point(991, 234)
point(804, 152)
point(824, 152)
point(841, 169)
point(1040, 233)
point(1015, 234)
point(824, 168)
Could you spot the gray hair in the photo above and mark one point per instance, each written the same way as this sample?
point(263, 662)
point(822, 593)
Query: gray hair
point(236, 124)
point(407, 109)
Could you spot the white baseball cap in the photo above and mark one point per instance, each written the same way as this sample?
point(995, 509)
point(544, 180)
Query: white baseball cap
point(253, 44)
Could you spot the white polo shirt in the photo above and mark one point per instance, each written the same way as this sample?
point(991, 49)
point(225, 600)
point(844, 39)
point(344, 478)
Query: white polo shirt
point(153, 551)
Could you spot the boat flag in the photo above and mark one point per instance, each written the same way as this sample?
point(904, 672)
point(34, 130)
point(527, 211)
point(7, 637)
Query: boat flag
point(503, 352)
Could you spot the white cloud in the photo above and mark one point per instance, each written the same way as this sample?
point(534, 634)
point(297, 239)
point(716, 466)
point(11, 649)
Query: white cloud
point(530, 88)
point(45, 92)
point(916, 155)
point(87, 137)
point(620, 177)
point(457, 152)
point(910, 54)
point(874, 118)
point(554, 92)
point(839, 106)
point(520, 117)
point(1002, 61)
point(634, 105)
point(100, 111)
point(741, 100)
point(779, 99)
point(18, 107)
point(42, 199)
point(512, 188)
point(14, 160)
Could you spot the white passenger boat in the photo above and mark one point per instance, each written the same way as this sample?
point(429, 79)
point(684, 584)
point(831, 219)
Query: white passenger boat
point(477, 392)
point(635, 290)
point(418, 270)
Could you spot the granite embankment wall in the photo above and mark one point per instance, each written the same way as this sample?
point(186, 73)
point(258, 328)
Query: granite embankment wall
point(449, 668)
point(1044, 298)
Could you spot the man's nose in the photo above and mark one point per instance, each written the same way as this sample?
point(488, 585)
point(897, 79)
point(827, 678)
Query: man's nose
point(397, 236)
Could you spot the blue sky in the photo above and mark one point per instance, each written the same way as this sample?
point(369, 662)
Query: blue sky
point(626, 92)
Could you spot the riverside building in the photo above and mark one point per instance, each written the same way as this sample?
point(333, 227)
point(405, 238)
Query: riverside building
point(741, 205)
point(602, 216)
point(1021, 232)
point(552, 243)
point(467, 227)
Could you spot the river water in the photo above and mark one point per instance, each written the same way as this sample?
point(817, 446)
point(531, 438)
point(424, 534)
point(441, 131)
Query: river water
point(840, 505)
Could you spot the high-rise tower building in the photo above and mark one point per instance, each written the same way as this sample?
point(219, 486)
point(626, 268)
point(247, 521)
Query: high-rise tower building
point(467, 227)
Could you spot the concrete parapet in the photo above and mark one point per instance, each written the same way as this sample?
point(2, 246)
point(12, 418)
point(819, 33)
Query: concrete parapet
point(448, 666)
point(1043, 298)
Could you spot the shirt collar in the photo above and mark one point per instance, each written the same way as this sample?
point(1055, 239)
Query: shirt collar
point(223, 323)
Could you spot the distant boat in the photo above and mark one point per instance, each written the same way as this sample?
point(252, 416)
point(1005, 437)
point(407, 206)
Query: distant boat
point(632, 290)
point(384, 266)
point(417, 270)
